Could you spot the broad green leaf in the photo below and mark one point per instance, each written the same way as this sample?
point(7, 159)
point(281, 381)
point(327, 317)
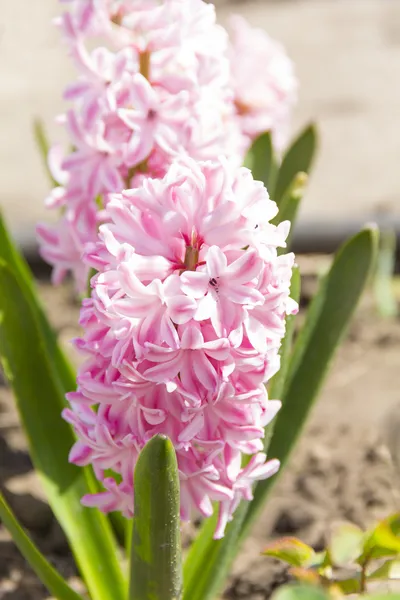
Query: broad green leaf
point(10, 255)
point(290, 206)
point(43, 569)
point(299, 592)
point(156, 566)
point(208, 560)
point(261, 161)
point(40, 399)
point(327, 319)
point(346, 543)
point(390, 569)
point(128, 536)
point(63, 370)
point(43, 146)
point(290, 550)
point(383, 540)
point(298, 158)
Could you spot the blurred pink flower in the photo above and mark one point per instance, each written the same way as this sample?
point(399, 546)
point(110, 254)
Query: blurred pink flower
point(263, 80)
point(181, 333)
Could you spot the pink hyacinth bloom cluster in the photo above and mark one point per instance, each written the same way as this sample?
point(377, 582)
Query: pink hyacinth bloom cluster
point(153, 85)
point(181, 332)
point(263, 80)
point(157, 80)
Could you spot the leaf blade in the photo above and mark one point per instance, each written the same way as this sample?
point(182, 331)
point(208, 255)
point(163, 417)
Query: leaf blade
point(290, 206)
point(291, 551)
point(208, 560)
point(25, 360)
point(298, 158)
point(261, 161)
point(156, 548)
point(10, 255)
point(326, 322)
point(53, 581)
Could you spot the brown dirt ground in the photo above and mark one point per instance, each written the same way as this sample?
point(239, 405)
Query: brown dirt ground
point(341, 468)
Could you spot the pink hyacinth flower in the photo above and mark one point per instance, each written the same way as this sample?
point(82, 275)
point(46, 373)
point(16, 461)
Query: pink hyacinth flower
point(263, 80)
point(181, 333)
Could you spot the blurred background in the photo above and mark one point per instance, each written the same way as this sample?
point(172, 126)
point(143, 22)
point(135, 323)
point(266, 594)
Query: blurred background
point(347, 58)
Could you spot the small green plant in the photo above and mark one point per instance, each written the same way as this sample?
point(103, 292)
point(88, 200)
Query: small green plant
point(352, 563)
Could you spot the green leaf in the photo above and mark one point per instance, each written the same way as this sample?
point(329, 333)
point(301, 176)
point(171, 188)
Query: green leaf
point(328, 317)
point(346, 543)
point(298, 158)
point(299, 592)
point(43, 569)
point(156, 569)
point(40, 399)
point(290, 205)
point(208, 560)
point(43, 146)
point(261, 161)
point(290, 550)
point(62, 368)
point(383, 540)
point(60, 364)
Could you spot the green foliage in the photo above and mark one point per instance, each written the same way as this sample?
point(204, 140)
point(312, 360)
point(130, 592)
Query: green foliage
point(291, 550)
point(358, 551)
point(39, 396)
point(277, 383)
point(326, 322)
point(290, 205)
point(327, 319)
point(383, 540)
point(40, 376)
point(43, 569)
point(208, 560)
point(262, 162)
point(156, 570)
point(62, 368)
point(297, 159)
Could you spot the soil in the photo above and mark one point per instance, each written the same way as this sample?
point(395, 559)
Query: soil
point(341, 469)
